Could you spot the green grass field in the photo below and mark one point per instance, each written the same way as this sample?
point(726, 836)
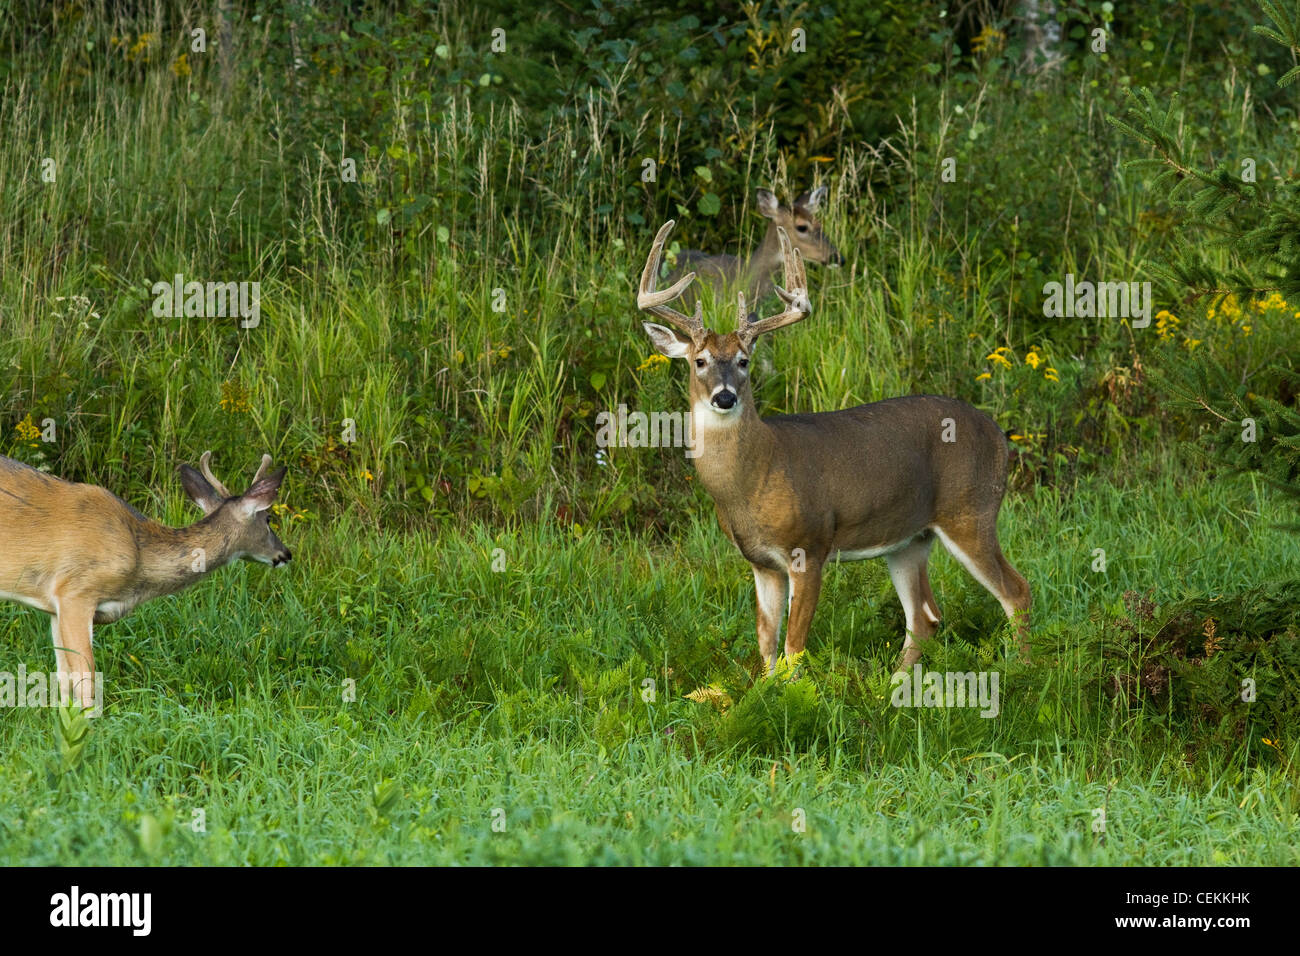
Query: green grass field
point(520, 692)
point(482, 650)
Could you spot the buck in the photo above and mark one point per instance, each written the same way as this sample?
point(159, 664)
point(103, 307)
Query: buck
point(754, 276)
point(794, 492)
point(85, 557)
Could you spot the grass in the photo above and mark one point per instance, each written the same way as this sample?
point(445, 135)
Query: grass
point(522, 690)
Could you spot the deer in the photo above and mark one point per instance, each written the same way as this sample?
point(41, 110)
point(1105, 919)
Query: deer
point(795, 492)
point(85, 557)
point(754, 276)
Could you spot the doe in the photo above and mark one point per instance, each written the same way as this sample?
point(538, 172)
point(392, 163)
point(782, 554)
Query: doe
point(84, 556)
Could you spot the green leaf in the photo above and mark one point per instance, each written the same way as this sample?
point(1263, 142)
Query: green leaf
point(709, 204)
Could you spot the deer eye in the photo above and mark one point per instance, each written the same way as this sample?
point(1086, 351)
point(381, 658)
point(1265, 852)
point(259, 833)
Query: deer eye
point(801, 227)
point(743, 362)
point(699, 363)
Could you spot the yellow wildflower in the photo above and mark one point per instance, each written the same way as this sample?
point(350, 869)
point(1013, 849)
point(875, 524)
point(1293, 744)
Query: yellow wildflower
point(26, 430)
point(998, 358)
point(989, 40)
point(137, 49)
point(234, 398)
point(1166, 325)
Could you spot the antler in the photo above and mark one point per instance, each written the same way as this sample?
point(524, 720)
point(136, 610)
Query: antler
point(207, 473)
point(261, 470)
point(648, 300)
point(796, 300)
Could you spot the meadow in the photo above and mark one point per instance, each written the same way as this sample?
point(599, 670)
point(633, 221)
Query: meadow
point(495, 646)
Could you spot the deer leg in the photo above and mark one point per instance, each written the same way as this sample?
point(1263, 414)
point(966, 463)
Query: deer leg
point(977, 548)
point(772, 595)
point(805, 589)
point(908, 569)
point(73, 654)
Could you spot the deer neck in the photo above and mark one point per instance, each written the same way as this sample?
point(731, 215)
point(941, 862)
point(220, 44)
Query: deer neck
point(732, 456)
point(172, 559)
point(762, 264)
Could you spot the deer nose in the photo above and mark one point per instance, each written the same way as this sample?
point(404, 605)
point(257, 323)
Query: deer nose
point(724, 399)
point(284, 558)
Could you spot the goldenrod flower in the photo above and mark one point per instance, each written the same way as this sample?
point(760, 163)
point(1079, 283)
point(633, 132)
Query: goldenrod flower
point(1166, 325)
point(26, 430)
point(998, 358)
point(989, 40)
point(234, 398)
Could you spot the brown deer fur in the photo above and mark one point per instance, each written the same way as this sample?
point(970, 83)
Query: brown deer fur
point(794, 492)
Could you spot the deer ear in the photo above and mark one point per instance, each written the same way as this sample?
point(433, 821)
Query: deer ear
point(262, 494)
point(200, 492)
point(668, 341)
point(767, 204)
point(809, 201)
